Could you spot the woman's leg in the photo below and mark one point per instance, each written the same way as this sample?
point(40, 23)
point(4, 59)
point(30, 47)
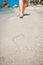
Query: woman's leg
point(22, 6)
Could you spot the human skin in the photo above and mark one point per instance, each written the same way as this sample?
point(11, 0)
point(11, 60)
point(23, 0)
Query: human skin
point(22, 6)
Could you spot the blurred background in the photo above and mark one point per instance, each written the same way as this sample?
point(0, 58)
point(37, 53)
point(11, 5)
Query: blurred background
point(15, 3)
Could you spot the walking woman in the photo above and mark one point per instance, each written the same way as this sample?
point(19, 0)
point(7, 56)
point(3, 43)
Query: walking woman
point(22, 6)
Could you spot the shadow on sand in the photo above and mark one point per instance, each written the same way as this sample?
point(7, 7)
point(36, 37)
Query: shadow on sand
point(27, 14)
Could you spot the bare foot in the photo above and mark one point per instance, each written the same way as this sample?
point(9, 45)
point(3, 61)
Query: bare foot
point(20, 16)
